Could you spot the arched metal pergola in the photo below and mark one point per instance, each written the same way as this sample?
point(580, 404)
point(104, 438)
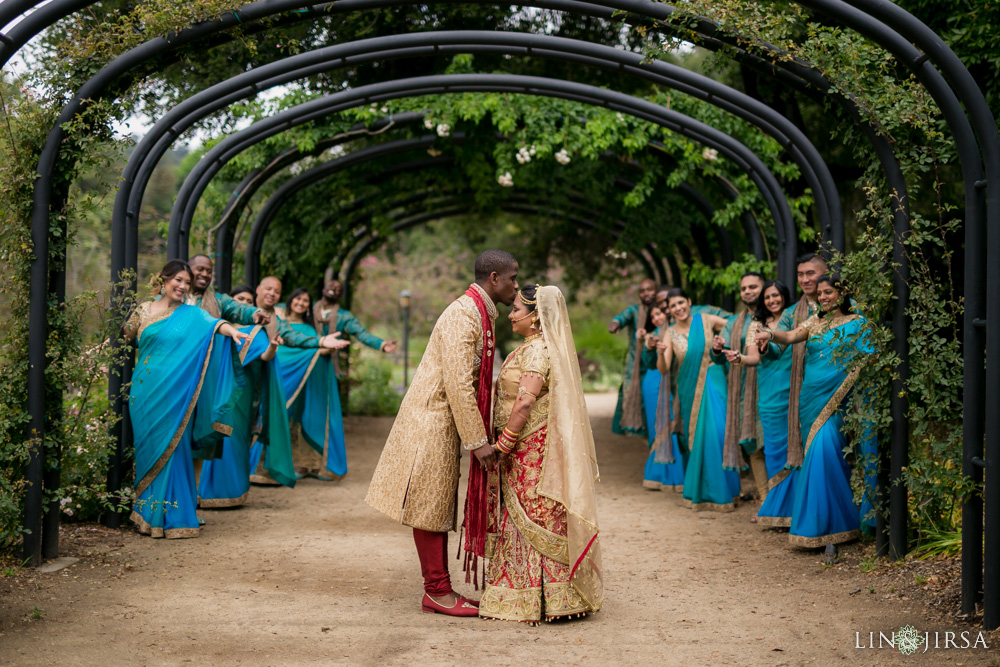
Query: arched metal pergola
point(913, 44)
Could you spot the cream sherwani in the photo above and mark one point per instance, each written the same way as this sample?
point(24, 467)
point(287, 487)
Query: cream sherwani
point(416, 480)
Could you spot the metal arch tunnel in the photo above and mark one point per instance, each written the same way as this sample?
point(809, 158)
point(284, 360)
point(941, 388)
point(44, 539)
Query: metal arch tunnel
point(520, 199)
point(291, 187)
point(984, 133)
point(189, 112)
point(257, 177)
point(464, 83)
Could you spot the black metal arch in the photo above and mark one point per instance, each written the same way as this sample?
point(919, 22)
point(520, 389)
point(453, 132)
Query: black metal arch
point(319, 108)
point(247, 84)
point(459, 205)
point(248, 186)
point(319, 172)
point(519, 198)
point(414, 218)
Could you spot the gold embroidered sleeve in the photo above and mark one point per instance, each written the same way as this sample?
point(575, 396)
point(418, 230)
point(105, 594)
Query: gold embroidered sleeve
point(134, 322)
point(813, 325)
point(535, 359)
point(460, 372)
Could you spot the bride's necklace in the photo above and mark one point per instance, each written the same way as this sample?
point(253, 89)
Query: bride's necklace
point(532, 337)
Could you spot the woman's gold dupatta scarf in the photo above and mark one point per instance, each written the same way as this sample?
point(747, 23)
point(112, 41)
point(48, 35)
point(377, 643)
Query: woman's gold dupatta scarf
point(570, 467)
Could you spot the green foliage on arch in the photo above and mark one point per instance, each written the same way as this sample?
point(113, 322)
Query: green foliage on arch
point(892, 101)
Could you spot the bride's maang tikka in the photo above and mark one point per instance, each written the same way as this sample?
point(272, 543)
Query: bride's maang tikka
point(525, 300)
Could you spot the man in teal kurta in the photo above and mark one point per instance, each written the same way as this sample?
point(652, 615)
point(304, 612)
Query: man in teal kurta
point(629, 320)
point(738, 433)
point(218, 305)
point(268, 296)
point(328, 315)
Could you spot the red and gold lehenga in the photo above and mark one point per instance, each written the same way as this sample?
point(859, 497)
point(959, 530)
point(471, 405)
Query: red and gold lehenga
point(536, 570)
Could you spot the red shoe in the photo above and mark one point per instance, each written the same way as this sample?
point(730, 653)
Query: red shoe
point(474, 603)
point(461, 608)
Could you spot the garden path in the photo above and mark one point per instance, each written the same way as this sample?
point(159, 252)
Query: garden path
point(313, 576)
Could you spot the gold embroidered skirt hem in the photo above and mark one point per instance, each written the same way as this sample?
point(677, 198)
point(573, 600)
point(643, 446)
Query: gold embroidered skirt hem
point(822, 540)
point(214, 503)
point(775, 521)
point(659, 486)
point(710, 507)
point(170, 533)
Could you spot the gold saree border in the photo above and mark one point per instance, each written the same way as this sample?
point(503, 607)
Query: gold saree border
point(248, 342)
point(211, 503)
point(169, 451)
point(700, 387)
point(170, 534)
point(777, 478)
point(710, 507)
point(822, 540)
point(774, 521)
point(305, 378)
point(660, 486)
point(831, 406)
point(261, 475)
point(545, 542)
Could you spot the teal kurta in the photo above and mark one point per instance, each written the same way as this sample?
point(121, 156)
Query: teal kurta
point(628, 321)
point(313, 400)
point(230, 309)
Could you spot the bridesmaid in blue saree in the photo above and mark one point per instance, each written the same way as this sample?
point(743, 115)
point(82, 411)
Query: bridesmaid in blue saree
point(658, 476)
point(773, 380)
point(701, 388)
point(181, 398)
point(313, 397)
point(225, 482)
point(823, 509)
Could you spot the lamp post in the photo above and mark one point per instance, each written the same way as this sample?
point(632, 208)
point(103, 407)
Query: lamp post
point(404, 303)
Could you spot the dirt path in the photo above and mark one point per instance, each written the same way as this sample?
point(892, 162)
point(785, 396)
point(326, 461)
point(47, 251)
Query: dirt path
point(313, 576)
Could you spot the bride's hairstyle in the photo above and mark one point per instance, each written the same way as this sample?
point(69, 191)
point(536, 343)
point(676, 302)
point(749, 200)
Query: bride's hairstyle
point(528, 293)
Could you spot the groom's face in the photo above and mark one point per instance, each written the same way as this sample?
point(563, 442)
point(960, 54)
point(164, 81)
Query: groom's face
point(505, 285)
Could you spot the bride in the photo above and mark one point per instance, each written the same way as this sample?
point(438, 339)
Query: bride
point(542, 539)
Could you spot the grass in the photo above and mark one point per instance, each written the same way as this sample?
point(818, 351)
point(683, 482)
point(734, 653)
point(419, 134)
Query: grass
point(36, 614)
point(868, 564)
point(939, 543)
point(920, 580)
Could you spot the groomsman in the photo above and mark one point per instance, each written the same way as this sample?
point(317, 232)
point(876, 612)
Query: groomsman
point(222, 305)
point(741, 408)
point(631, 320)
point(329, 317)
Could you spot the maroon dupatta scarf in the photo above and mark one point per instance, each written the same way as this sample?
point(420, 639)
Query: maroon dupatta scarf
point(476, 517)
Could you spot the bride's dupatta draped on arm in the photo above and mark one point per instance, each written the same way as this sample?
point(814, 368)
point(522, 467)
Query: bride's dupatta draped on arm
point(570, 467)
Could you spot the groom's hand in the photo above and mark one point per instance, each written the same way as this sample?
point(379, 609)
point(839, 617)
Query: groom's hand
point(487, 455)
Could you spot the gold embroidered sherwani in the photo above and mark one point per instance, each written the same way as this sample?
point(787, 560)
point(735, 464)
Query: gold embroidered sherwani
point(416, 480)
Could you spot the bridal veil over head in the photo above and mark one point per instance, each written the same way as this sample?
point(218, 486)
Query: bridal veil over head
point(570, 468)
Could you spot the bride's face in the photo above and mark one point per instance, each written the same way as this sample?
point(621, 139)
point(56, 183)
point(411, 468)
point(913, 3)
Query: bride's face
point(521, 318)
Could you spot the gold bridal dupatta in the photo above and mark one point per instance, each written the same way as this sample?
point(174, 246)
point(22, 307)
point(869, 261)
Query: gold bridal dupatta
point(570, 467)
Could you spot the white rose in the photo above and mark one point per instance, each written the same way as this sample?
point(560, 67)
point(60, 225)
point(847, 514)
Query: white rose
point(710, 154)
point(562, 157)
point(443, 130)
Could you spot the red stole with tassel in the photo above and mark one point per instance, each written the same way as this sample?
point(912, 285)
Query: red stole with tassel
point(474, 523)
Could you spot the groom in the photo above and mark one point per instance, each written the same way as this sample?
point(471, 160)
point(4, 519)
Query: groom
point(444, 411)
